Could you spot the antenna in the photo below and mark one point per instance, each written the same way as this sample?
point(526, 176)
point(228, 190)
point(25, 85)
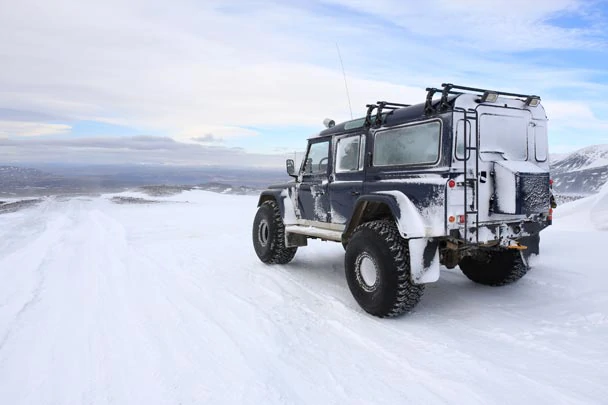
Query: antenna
point(345, 83)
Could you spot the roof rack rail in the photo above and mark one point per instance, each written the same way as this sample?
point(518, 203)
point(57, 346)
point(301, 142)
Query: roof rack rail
point(380, 106)
point(449, 88)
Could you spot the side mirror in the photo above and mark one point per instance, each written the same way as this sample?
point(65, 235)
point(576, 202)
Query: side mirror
point(291, 168)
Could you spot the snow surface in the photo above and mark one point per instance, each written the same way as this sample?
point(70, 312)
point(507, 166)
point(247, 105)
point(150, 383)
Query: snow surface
point(102, 303)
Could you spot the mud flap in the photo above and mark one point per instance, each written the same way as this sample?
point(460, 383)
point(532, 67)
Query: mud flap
point(424, 260)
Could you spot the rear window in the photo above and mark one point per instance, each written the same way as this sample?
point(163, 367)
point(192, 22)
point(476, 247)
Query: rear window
point(540, 142)
point(460, 139)
point(505, 135)
point(411, 145)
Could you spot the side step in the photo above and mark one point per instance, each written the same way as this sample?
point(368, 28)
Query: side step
point(326, 234)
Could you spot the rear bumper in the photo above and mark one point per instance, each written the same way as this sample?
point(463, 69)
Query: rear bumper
point(486, 233)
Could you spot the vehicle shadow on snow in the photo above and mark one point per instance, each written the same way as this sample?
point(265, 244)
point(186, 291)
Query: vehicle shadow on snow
point(453, 295)
point(327, 266)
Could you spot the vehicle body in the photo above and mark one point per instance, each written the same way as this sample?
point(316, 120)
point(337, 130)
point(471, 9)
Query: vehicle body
point(462, 179)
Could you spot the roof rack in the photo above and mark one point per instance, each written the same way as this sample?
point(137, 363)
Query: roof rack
point(374, 116)
point(379, 106)
point(449, 88)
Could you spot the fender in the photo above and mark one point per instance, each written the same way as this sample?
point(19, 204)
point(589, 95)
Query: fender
point(272, 195)
point(424, 251)
point(283, 199)
point(407, 217)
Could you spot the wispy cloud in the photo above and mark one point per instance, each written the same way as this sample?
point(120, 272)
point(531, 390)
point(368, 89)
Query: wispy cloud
point(21, 128)
point(129, 150)
point(498, 25)
point(222, 68)
point(207, 138)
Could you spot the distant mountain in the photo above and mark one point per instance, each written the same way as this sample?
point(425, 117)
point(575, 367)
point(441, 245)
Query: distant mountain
point(579, 173)
point(23, 180)
point(21, 174)
point(582, 172)
point(66, 179)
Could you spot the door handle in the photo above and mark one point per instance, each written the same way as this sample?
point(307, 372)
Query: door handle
point(355, 193)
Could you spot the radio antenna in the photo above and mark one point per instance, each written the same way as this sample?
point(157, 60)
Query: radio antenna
point(345, 83)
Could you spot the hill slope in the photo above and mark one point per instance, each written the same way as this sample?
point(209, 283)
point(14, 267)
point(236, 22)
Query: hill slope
point(582, 172)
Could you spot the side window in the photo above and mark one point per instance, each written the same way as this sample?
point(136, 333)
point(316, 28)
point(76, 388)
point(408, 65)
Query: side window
point(460, 139)
point(317, 158)
point(347, 154)
point(540, 142)
point(411, 145)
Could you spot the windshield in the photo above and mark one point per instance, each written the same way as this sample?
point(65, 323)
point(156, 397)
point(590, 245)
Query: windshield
point(503, 137)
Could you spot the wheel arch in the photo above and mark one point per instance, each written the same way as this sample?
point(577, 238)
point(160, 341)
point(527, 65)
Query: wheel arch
point(370, 208)
point(390, 204)
point(267, 195)
point(284, 199)
point(273, 195)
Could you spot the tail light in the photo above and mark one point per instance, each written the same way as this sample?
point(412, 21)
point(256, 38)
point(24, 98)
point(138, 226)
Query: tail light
point(453, 218)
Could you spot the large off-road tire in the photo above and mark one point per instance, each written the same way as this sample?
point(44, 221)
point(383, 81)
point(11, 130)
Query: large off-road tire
point(495, 268)
point(377, 266)
point(269, 235)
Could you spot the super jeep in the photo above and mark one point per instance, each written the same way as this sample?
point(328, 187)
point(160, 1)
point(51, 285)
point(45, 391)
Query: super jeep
point(460, 179)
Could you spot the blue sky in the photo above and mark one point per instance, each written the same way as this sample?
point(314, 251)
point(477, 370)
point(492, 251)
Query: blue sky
point(256, 78)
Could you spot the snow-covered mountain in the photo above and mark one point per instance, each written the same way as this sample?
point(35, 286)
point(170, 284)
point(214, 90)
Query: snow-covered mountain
point(23, 181)
point(28, 181)
point(166, 303)
point(14, 174)
point(582, 172)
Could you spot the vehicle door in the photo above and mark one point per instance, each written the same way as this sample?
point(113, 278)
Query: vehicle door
point(313, 190)
point(346, 183)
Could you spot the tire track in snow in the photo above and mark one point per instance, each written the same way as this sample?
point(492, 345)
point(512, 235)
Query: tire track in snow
point(51, 236)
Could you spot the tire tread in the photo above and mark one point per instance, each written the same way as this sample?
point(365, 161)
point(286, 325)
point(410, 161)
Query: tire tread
point(408, 294)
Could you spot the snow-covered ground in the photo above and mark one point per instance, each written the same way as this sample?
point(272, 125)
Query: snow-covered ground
point(102, 303)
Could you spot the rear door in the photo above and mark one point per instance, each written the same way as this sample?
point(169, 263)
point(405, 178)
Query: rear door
point(346, 183)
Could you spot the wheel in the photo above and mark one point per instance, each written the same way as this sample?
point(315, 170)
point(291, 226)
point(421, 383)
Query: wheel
point(269, 235)
point(378, 270)
point(495, 268)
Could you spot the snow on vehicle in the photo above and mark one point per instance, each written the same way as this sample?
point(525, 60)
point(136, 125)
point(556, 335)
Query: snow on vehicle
point(461, 179)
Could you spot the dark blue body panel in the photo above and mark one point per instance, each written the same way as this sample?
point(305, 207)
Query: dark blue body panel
point(344, 191)
point(333, 197)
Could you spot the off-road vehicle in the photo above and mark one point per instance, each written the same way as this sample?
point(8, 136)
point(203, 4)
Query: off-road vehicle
point(460, 179)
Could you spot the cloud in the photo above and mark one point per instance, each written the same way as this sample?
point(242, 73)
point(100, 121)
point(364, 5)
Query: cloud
point(212, 133)
point(22, 128)
point(498, 25)
point(128, 150)
point(9, 114)
point(207, 138)
point(216, 68)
